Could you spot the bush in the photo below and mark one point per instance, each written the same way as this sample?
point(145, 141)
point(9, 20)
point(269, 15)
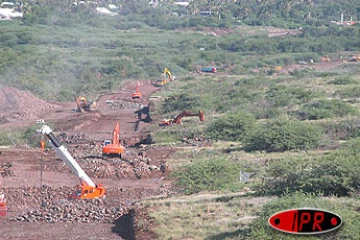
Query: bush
point(232, 127)
point(332, 174)
point(181, 102)
point(343, 80)
point(283, 135)
point(260, 228)
point(208, 174)
point(325, 109)
point(281, 95)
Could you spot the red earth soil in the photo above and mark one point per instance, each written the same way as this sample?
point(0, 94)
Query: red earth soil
point(36, 184)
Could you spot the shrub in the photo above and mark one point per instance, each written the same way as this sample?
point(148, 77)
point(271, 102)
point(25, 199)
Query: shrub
point(325, 109)
point(233, 126)
point(283, 135)
point(283, 95)
point(208, 174)
point(181, 102)
point(343, 80)
point(332, 174)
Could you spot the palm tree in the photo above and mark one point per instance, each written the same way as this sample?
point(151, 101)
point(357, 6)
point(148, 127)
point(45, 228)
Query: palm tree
point(309, 4)
point(286, 5)
point(193, 8)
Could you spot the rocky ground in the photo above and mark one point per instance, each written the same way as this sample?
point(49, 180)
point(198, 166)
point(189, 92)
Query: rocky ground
point(36, 184)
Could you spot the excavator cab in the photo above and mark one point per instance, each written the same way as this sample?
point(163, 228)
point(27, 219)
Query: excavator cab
point(113, 148)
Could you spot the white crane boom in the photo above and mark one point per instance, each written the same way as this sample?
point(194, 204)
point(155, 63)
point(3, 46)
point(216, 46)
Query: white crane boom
point(65, 155)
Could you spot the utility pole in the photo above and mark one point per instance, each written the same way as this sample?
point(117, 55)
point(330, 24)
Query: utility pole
point(42, 147)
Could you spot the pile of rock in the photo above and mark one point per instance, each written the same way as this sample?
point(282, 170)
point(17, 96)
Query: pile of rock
point(5, 169)
point(120, 105)
point(73, 211)
point(16, 104)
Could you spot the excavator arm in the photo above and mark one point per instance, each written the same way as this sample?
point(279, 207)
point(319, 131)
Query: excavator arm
point(178, 118)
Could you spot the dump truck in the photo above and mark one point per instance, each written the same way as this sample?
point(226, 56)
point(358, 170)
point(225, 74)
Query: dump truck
point(208, 70)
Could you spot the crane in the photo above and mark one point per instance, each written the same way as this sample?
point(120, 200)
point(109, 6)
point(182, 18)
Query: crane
point(113, 148)
point(87, 188)
point(178, 118)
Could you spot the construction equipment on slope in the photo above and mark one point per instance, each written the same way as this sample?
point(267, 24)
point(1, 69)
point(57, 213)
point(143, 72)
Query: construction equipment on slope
point(83, 105)
point(355, 58)
point(177, 119)
point(325, 59)
point(87, 188)
point(165, 78)
point(137, 93)
point(113, 148)
point(208, 70)
point(3, 207)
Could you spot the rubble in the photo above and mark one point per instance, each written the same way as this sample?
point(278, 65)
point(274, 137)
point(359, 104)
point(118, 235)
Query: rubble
point(20, 105)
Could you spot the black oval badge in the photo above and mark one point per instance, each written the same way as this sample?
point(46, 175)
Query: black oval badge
point(305, 221)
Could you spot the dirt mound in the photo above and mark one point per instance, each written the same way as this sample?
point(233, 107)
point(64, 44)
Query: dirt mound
point(18, 105)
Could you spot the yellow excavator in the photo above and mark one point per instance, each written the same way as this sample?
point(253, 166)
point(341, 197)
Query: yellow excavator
point(83, 105)
point(165, 78)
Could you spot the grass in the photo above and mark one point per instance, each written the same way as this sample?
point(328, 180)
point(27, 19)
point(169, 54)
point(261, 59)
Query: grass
point(204, 216)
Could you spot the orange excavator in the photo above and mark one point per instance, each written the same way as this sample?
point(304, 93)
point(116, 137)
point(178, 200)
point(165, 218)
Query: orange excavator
point(87, 188)
point(113, 148)
point(177, 119)
point(137, 93)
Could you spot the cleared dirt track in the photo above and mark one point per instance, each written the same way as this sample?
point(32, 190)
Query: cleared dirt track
point(37, 184)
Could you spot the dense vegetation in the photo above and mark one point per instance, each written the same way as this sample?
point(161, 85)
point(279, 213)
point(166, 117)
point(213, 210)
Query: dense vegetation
point(60, 49)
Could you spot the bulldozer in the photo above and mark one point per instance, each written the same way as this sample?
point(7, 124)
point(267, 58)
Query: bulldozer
point(177, 119)
point(83, 105)
point(166, 77)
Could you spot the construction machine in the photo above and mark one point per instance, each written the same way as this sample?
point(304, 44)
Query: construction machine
point(165, 78)
point(325, 59)
point(208, 70)
point(177, 119)
point(87, 188)
point(3, 208)
point(113, 148)
point(83, 105)
point(355, 58)
point(137, 93)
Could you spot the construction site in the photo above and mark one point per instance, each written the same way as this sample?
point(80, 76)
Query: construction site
point(107, 148)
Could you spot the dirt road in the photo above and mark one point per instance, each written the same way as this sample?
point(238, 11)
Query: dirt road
point(36, 184)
